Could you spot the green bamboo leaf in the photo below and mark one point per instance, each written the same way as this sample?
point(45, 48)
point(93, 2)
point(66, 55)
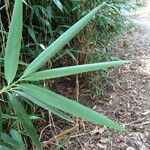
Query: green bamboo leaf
point(58, 4)
point(6, 116)
point(67, 105)
point(10, 142)
point(45, 106)
point(5, 146)
point(17, 121)
point(32, 34)
point(50, 51)
point(25, 120)
point(72, 70)
point(13, 45)
point(17, 136)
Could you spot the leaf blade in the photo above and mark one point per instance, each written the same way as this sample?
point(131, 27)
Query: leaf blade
point(71, 70)
point(68, 105)
point(50, 51)
point(10, 141)
point(25, 120)
point(45, 106)
point(13, 45)
point(17, 136)
point(58, 4)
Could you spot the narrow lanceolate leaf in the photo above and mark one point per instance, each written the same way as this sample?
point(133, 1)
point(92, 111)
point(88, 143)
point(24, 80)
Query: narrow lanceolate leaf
point(58, 4)
point(50, 51)
point(67, 105)
point(5, 146)
point(46, 106)
point(17, 136)
point(72, 70)
point(10, 142)
point(25, 120)
point(13, 43)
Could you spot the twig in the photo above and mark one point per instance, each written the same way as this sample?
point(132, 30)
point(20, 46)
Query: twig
point(136, 121)
point(60, 136)
point(45, 129)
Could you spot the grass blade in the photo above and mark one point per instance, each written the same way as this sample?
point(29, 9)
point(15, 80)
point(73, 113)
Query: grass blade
point(67, 105)
point(72, 70)
point(25, 120)
point(13, 43)
point(50, 51)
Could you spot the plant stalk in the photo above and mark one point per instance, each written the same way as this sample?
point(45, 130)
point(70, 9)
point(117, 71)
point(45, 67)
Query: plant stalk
point(10, 86)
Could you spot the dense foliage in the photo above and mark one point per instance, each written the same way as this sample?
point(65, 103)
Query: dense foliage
point(22, 59)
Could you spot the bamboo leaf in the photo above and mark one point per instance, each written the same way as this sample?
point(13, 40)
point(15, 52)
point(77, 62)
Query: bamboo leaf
point(67, 105)
point(13, 43)
point(25, 120)
point(58, 4)
point(5, 146)
point(10, 141)
point(50, 51)
point(45, 106)
point(6, 116)
point(72, 70)
point(16, 136)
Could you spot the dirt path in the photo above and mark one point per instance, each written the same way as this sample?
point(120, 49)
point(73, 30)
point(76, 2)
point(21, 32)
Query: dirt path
point(129, 102)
